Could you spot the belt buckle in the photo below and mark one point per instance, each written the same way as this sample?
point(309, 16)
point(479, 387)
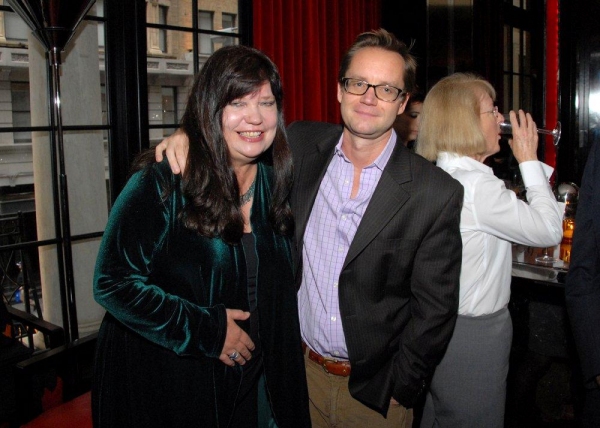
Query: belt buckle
point(324, 365)
point(343, 368)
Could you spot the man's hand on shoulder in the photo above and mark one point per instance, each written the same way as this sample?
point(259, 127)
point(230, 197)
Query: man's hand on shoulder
point(176, 146)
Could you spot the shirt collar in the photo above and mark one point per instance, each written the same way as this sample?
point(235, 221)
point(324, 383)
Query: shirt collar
point(446, 160)
point(381, 161)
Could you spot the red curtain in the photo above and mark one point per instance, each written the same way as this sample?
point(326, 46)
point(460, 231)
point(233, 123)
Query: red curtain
point(552, 55)
point(306, 39)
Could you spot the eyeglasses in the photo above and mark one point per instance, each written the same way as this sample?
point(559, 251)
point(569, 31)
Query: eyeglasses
point(385, 93)
point(494, 112)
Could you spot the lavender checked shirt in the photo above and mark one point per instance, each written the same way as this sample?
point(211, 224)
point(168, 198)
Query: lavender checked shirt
point(330, 230)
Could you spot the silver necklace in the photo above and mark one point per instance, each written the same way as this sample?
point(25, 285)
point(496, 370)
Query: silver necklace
point(245, 198)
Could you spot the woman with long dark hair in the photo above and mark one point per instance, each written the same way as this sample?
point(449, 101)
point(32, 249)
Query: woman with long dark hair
point(196, 271)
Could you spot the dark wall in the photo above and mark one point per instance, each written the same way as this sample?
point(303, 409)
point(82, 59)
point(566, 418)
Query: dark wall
point(407, 20)
point(448, 39)
point(579, 79)
point(471, 39)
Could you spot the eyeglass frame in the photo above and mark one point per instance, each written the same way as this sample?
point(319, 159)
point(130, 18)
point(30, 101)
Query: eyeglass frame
point(494, 111)
point(344, 80)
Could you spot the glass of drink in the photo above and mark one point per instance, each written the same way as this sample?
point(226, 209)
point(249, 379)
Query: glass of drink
point(546, 259)
point(506, 129)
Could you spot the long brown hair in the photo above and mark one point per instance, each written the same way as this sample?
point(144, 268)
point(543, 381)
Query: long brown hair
point(209, 181)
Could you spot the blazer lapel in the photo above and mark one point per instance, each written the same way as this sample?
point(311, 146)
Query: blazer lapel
point(388, 198)
point(310, 171)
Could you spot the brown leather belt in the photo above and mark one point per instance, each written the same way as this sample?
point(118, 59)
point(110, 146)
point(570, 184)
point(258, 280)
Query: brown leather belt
point(331, 366)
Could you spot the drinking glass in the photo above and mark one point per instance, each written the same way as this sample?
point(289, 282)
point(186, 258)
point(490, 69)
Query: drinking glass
point(506, 129)
point(545, 258)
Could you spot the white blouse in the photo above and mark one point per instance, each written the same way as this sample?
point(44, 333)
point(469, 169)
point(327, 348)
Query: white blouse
point(491, 219)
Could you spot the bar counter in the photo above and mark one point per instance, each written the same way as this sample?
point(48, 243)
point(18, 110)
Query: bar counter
point(544, 380)
point(525, 267)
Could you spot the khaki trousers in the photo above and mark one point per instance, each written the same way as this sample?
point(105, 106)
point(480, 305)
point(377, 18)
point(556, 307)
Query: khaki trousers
point(332, 406)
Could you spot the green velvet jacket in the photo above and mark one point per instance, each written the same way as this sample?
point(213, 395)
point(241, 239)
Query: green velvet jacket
point(165, 289)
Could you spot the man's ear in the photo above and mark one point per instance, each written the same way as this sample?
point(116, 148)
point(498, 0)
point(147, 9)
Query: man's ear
point(403, 104)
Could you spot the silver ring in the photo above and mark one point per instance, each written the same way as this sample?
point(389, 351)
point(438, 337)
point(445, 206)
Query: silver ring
point(234, 355)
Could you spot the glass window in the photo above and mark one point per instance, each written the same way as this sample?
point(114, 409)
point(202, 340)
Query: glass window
point(162, 34)
point(517, 66)
point(100, 12)
point(157, 13)
point(15, 27)
point(169, 105)
point(205, 22)
point(25, 159)
point(104, 109)
point(516, 50)
point(521, 4)
point(229, 22)
point(21, 111)
point(87, 96)
point(189, 43)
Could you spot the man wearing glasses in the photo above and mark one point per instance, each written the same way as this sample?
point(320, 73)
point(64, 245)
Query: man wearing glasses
point(379, 248)
point(378, 245)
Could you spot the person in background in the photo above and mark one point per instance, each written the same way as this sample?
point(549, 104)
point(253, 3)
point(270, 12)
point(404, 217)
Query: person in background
point(378, 246)
point(582, 286)
point(406, 124)
point(196, 273)
point(460, 130)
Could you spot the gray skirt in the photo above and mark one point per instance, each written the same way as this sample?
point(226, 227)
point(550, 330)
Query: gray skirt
point(468, 388)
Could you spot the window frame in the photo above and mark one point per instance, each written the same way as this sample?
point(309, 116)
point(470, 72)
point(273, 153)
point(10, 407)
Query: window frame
point(125, 49)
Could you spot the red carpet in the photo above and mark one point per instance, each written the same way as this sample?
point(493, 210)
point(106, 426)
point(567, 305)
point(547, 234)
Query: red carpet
point(76, 413)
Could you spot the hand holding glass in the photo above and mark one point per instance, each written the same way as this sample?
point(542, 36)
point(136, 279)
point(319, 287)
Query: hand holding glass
point(506, 129)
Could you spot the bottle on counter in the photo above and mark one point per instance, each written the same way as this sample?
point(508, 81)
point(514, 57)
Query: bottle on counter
point(568, 193)
point(567, 240)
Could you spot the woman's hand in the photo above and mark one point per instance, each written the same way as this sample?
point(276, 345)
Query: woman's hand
point(524, 142)
point(176, 146)
point(237, 341)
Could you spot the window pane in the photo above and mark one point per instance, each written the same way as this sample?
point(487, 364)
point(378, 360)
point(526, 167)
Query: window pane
point(516, 91)
point(508, 105)
point(170, 77)
point(104, 111)
point(162, 34)
point(229, 23)
point(86, 108)
point(516, 53)
point(205, 22)
point(217, 42)
point(15, 27)
point(169, 106)
point(84, 103)
point(169, 80)
point(97, 9)
point(14, 97)
point(526, 102)
point(157, 39)
point(526, 52)
point(17, 225)
point(507, 43)
point(16, 162)
point(21, 110)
